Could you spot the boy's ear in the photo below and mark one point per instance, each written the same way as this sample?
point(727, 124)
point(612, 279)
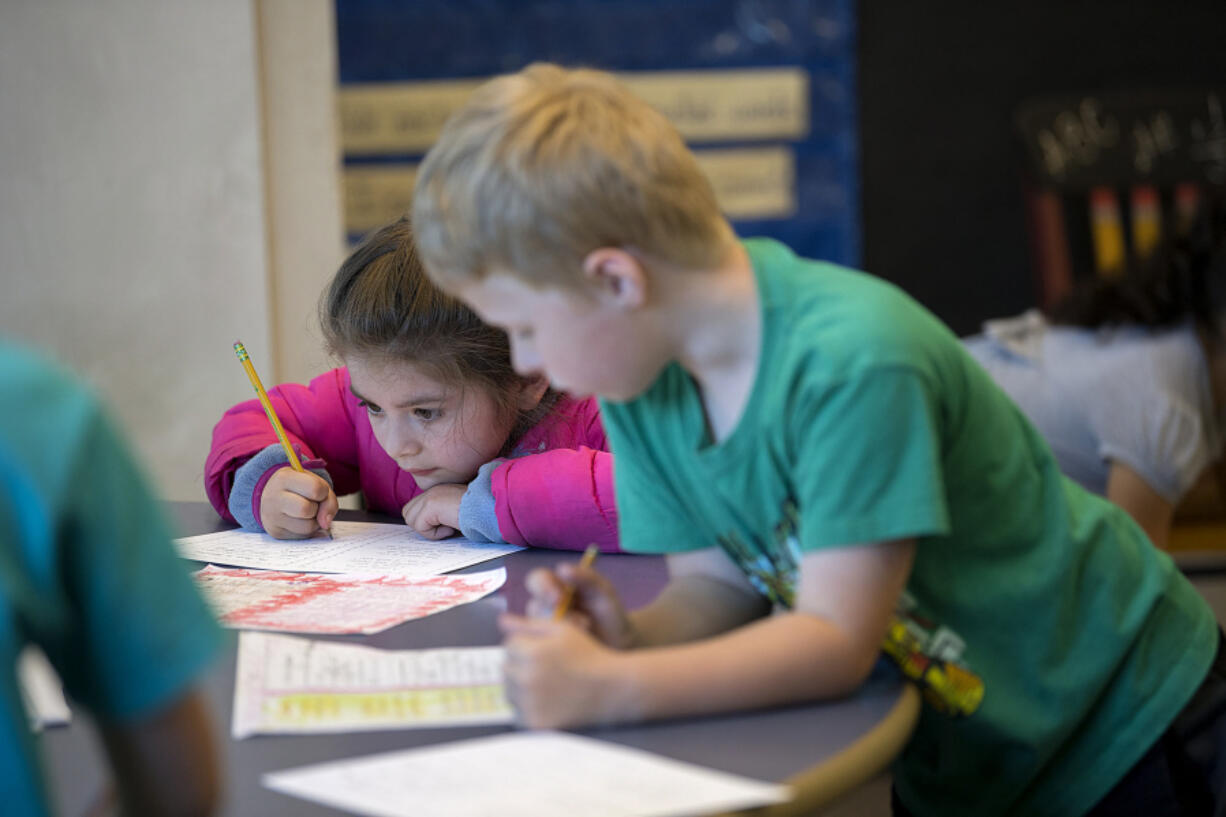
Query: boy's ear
point(532, 392)
point(616, 275)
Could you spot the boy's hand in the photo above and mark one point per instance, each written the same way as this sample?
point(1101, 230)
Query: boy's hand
point(435, 512)
point(558, 676)
point(595, 605)
point(296, 505)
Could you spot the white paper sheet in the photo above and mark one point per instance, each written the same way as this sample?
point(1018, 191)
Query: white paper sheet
point(525, 774)
point(334, 603)
point(358, 547)
point(41, 690)
point(285, 684)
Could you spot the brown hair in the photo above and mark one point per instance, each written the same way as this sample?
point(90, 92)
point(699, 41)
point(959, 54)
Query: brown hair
point(380, 304)
point(541, 167)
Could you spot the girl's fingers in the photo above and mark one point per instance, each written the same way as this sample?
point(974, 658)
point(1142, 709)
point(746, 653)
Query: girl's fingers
point(297, 506)
point(327, 511)
point(299, 527)
point(309, 486)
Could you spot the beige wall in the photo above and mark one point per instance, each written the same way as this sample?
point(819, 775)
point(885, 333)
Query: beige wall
point(133, 240)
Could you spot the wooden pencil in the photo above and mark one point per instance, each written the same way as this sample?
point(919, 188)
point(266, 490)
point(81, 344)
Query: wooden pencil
point(294, 462)
point(589, 556)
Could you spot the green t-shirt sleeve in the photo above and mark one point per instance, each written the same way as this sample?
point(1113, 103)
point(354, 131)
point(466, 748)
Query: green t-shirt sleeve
point(869, 460)
point(138, 632)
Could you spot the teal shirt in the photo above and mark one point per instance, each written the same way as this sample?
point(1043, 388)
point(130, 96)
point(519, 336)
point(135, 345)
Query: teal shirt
point(87, 571)
point(1054, 642)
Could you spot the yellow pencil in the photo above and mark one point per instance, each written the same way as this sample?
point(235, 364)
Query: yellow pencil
point(589, 556)
point(243, 358)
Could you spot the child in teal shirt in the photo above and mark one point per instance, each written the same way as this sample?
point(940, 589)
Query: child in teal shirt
point(88, 573)
point(807, 441)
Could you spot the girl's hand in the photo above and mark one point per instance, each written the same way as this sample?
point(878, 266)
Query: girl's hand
point(435, 512)
point(558, 676)
point(595, 605)
point(296, 505)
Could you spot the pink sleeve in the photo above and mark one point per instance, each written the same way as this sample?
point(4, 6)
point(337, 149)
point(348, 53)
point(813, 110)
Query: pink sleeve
point(557, 499)
point(317, 419)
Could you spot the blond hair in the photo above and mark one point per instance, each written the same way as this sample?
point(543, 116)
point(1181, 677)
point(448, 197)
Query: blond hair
point(543, 166)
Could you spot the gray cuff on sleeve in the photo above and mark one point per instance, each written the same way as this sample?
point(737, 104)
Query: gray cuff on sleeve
point(478, 521)
point(250, 477)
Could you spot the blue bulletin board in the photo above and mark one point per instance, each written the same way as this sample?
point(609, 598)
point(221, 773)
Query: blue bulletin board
point(763, 91)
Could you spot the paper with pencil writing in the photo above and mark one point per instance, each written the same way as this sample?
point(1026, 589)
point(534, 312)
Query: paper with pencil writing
point(359, 547)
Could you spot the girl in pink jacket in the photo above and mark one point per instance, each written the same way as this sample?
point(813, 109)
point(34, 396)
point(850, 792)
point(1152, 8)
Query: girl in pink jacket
point(427, 418)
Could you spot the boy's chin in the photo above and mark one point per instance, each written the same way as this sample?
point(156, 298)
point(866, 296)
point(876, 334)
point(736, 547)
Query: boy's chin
point(625, 393)
point(618, 396)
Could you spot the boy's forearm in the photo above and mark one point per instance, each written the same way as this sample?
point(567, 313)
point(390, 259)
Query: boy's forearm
point(783, 659)
point(692, 608)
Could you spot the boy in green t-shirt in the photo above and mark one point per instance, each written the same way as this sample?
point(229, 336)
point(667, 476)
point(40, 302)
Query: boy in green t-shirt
point(806, 440)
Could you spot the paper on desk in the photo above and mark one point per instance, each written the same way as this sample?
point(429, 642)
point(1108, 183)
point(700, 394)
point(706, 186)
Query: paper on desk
point(334, 603)
point(285, 684)
point(524, 774)
point(358, 547)
point(41, 690)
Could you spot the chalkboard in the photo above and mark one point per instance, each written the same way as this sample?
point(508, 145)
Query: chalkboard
point(1159, 137)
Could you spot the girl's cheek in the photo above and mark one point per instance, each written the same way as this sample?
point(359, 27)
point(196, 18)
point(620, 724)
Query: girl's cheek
point(380, 433)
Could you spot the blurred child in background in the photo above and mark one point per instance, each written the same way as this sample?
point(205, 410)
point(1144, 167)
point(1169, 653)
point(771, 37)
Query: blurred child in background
point(1126, 379)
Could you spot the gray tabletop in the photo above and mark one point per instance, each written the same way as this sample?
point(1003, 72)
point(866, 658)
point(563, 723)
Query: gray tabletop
point(769, 745)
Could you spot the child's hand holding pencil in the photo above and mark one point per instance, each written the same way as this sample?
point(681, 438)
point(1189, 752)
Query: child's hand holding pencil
point(562, 658)
point(579, 593)
point(295, 504)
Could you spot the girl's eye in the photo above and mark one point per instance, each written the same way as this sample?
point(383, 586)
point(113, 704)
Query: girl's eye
point(426, 413)
point(523, 334)
point(371, 408)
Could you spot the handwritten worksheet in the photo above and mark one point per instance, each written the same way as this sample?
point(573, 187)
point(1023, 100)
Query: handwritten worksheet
point(358, 547)
point(334, 603)
point(285, 684)
point(525, 774)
